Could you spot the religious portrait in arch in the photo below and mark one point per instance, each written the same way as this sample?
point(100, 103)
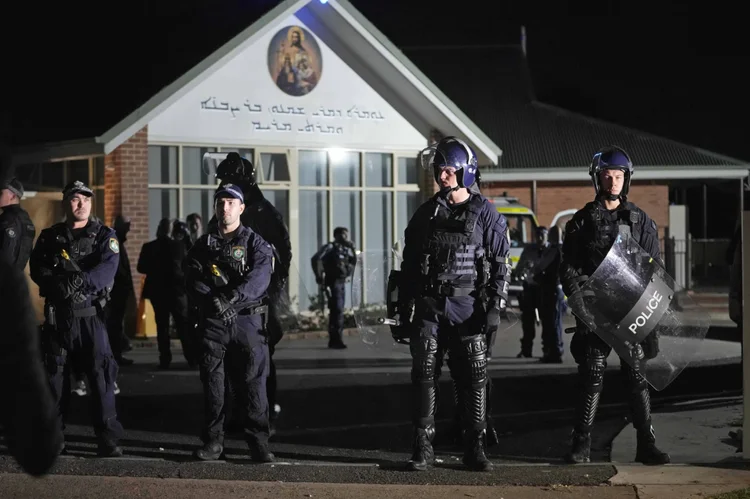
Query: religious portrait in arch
point(294, 60)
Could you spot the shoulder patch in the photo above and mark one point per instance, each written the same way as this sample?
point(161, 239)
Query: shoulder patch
point(11, 233)
point(114, 245)
point(653, 225)
point(238, 252)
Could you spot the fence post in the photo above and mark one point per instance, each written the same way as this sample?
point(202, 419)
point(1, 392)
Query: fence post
point(689, 262)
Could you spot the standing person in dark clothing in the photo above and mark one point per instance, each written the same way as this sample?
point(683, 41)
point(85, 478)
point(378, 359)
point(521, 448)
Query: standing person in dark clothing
point(195, 226)
point(28, 414)
point(122, 291)
point(17, 231)
point(265, 220)
point(165, 287)
point(228, 271)
point(589, 236)
point(333, 264)
point(74, 264)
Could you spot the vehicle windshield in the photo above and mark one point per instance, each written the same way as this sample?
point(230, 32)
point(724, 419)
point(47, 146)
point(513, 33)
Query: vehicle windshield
point(521, 228)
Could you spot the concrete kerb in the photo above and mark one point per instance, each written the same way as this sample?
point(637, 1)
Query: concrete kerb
point(682, 481)
point(307, 335)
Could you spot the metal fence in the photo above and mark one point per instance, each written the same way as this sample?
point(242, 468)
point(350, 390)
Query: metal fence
point(697, 263)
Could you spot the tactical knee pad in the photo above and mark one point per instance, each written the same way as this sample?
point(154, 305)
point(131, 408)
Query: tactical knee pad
point(592, 369)
point(636, 381)
point(474, 353)
point(423, 352)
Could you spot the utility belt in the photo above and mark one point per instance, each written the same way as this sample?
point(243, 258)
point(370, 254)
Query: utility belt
point(52, 311)
point(448, 288)
point(258, 308)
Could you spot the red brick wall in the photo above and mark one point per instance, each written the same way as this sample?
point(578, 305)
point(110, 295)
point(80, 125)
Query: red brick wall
point(552, 197)
point(126, 193)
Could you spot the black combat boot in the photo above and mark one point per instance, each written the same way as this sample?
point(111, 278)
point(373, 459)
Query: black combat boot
point(640, 408)
point(210, 451)
point(260, 453)
point(474, 456)
point(647, 452)
point(580, 451)
point(423, 455)
point(108, 449)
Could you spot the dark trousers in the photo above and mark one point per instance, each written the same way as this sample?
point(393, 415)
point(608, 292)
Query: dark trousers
point(547, 301)
point(87, 351)
point(115, 325)
point(175, 305)
point(336, 312)
point(242, 356)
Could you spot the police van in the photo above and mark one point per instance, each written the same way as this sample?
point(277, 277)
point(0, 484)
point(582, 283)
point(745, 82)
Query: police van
point(522, 224)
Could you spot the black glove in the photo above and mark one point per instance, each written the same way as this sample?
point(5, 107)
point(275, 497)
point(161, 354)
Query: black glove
point(495, 310)
point(224, 311)
point(70, 287)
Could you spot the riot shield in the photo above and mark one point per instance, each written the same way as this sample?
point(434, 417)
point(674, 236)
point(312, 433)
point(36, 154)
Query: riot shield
point(636, 307)
point(372, 300)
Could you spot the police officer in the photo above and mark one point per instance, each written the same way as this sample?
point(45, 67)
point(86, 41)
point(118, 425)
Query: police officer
point(588, 237)
point(228, 271)
point(552, 298)
point(74, 264)
point(265, 220)
point(333, 264)
point(455, 277)
point(17, 231)
point(530, 298)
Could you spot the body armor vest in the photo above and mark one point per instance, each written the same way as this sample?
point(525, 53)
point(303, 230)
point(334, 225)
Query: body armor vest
point(230, 255)
point(604, 226)
point(452, 251)
point(336, 263)
point(79, 251)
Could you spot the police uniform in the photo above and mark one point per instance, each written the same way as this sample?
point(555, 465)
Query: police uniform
point(264, 219)
point(228, 279)
point(75, 271)
point(17, 231)
point(456, 270)
point(588, 237)
point(337, 260)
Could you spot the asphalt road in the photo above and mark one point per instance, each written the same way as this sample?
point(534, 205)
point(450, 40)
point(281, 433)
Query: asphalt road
point(344, 422)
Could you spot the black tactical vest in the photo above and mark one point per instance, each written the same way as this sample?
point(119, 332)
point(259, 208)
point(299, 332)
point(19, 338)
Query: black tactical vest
point(453, 247)
point(79, 250)
point(230, 255)
point(603, 227)
point(336, 263)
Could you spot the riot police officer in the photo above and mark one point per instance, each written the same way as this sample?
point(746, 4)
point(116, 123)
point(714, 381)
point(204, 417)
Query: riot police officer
point(588, 237)
point(530, 298)
point(265, 220)
point(17, 231)
point(74, 264)
point(333, 264)
point(454, 279)
point(228, 271)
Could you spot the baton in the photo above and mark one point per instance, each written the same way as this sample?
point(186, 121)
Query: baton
point(389, 322)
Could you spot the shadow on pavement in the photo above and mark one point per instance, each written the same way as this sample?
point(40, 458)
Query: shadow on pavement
point(533, 414)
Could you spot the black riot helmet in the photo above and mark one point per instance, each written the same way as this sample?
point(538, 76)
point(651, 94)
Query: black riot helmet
point(609, 158)
point(236, 169)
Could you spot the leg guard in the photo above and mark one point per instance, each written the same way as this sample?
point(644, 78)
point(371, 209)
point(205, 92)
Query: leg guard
point(423, 352)
point(471, 375)
point(640, 410)
point(472, 378)
point(591, 368)
point(423, 374)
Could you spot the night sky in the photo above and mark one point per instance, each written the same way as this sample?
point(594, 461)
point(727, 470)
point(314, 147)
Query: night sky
point(675, 71)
